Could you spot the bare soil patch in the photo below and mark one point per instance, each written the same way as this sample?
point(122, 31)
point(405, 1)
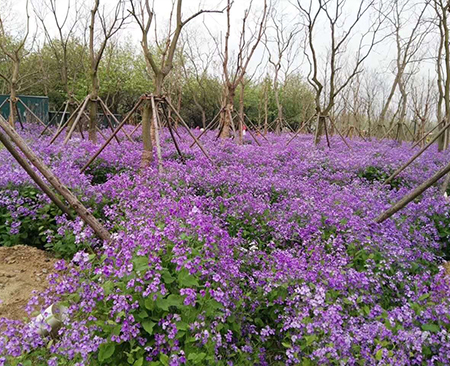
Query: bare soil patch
point(22, 270)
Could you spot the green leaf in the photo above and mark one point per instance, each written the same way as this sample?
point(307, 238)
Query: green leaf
point(171, 300)
point(164, 359)
point(187, 280)
point(139, 362)
point(148, 326)
point(424, 297)
point(379, 355)
point(106, 351)
point(167, 277)
point(149, 304)
point(431, 328)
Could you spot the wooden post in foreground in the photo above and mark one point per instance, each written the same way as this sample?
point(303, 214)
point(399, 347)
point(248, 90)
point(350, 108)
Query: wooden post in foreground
point(73, 201)
point(36, 178)
point(412, 195)
point(404, 166)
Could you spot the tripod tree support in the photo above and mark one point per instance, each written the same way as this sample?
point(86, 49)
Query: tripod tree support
point(107, 111)
point(300, 129)
point(72, 200)
point(189, 131)
point(116, 131)
point(402, 168)
point(412, 195)
point(61, 129)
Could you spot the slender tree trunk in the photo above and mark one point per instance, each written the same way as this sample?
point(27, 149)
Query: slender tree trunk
point(147, 155)
point(13, 93)
point(241, 114)
point(320, 128)
point(227, 113)
point(93, 107)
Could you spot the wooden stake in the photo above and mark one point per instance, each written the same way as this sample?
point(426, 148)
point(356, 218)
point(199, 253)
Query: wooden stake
point(300, 129)
point(108, 121)
point(73, 201)
point(403, 167)
point(32, 113)
point(425, 136)
point(105, 107)
point(80, 113)
point(156, 127)
point(34, 176)
point(190, 132)
point(58, 132)
point(411, 196)
point(339, 132)
point(210, 124)
point(108, 140)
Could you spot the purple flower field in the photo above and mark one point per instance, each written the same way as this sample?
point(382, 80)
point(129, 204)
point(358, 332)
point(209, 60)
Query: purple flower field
point(270, 258)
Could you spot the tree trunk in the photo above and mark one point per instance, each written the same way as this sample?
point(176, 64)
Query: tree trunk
point(241, 115)
point(226, 115)
point(13, 94)
point(147, 154)
point(320, 128)
point(93, 107)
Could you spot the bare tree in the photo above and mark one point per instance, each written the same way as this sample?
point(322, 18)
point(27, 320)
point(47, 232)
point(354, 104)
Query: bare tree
point(422, 102)
point(441, 8)
point(14, 51)
point(65, 23)
point(159, 59)
point(235, 70)
point(284, 40)
point(409, 48)
point(110, 24)
point(196, 61)
point(340, 32)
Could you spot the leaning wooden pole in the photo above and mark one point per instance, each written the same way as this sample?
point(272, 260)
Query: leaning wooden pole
point(63, 126)
point(411, 196)
point(156, 127)
point(189, 131)
point(105, 108)
point(72, 200)
point(300, 129)
point(210, 124)
point(75, 123)
point(404, 166)
point(33, 175)
point(425, 136)
point(116, 131)
point(31, 112)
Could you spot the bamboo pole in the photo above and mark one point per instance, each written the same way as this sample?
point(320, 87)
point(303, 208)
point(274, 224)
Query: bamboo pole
point(73, 201)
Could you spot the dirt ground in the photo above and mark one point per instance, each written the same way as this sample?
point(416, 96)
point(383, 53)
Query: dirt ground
point(22, 270)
